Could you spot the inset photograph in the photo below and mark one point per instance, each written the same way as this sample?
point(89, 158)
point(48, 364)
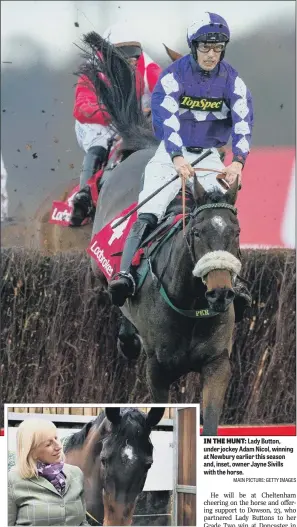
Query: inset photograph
point(112, 465)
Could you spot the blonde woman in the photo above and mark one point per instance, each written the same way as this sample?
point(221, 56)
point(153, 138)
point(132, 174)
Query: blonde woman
point(42, 489)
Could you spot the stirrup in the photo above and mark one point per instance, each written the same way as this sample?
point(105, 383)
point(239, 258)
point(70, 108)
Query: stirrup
point(125, 275)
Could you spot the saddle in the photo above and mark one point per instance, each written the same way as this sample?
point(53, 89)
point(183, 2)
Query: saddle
point(106, 247)
point(165, 229)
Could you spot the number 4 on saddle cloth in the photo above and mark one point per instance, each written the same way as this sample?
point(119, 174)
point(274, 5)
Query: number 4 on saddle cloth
point(62, 210)
point(107, 245)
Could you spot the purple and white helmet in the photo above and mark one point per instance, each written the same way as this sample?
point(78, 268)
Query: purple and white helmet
point(208, 28)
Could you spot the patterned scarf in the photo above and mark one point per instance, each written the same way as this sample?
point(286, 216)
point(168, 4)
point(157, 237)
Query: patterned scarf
point(54, 474)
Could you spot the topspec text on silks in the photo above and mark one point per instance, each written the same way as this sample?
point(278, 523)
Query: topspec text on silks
point(200, 103)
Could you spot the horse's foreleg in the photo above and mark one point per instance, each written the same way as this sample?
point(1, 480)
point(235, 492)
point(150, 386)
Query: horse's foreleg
point(156, 378)
point(215, 379)
point(129, 342)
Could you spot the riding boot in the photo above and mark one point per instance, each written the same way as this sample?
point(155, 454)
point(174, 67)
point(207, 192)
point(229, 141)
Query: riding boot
point(243, 298)
point(82, 203)
point(123, 284)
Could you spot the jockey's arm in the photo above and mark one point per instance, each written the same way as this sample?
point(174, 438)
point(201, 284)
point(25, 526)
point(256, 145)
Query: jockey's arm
point(165, 111)
point(165, 118)
point(241, 105)
point(86, 107)
point(239, 100)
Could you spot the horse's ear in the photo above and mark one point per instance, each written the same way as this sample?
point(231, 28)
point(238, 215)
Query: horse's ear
point(113, 415)
point(231, 194)
point(174, 55)
point(88, 426)
point(154, 416)
point(199, 192)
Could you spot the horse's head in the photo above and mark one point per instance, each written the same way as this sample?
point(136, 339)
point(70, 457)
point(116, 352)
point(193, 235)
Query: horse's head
point(125, 458)
point(115, 453)
point(214, 238)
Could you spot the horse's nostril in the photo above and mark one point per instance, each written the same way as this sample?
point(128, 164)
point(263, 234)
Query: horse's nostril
point(221, 295)
point(211, 295)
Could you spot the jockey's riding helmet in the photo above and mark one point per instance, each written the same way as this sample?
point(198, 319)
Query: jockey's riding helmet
point(125, 38)
point(209, 28)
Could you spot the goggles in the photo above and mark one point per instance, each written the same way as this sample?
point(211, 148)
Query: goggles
point(205, 47)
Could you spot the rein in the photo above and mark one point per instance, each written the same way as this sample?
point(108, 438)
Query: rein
point(189, 313)
point(94, 519)
point(221, 180)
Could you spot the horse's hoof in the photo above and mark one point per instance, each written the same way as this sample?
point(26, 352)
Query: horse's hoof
point(130, 348)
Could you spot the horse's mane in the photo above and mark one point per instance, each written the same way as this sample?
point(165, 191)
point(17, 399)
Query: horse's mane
point(215, 196)
point(130, 417)
point(114, 83)
point(76, 440)
point(132, 427)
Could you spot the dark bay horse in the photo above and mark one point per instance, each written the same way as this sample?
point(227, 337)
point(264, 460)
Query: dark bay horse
point(197, 270)
point(115, 453)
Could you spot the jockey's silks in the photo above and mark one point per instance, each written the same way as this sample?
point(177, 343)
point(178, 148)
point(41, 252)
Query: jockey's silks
point(192, 107)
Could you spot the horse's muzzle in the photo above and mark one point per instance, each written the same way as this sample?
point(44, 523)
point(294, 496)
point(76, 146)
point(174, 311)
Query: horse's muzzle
point(220, 298)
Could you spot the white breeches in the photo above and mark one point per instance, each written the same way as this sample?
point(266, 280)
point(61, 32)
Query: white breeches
point(92, 135)
point(161, 169)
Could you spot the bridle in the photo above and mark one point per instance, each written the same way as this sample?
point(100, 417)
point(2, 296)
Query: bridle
point(189, 237)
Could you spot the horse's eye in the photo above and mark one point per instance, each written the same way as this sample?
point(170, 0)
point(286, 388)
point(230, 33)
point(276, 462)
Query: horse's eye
point(196, 233)
point(103, 461)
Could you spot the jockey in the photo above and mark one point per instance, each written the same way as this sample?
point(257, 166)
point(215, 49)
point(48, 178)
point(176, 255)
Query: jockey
point(198, 102)
point(92, 123)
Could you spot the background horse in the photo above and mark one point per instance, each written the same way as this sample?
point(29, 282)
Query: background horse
point(36, 232)
point(115, 453)
point(196, 270)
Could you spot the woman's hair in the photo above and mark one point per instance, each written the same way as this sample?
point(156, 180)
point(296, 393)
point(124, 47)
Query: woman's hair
point(29, 436)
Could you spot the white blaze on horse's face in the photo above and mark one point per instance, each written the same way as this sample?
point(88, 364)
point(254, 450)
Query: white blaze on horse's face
point(218, 223)
point(128, 454)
